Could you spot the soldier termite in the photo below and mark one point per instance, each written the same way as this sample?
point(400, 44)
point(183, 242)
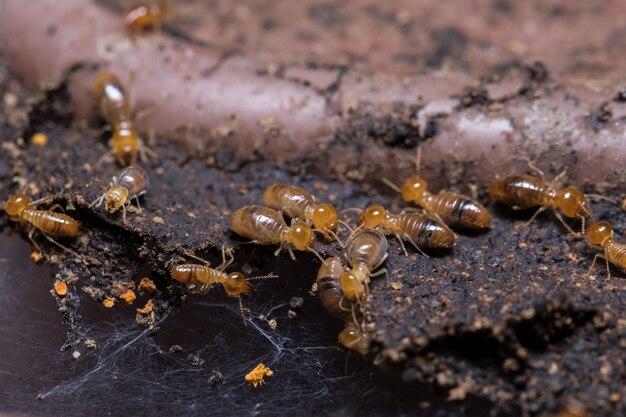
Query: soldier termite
point(266, 226)
point(418, 229)
point(601, 235)
point(456, 210)
point(19, 208)
point(130, 183)
point(298, 203)
point(114, 104)
point(366, 251)
point(525, 191)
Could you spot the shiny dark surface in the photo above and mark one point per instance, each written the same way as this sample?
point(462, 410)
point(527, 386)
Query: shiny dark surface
point(135, 371)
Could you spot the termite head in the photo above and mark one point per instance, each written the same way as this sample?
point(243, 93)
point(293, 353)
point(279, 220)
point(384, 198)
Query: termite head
point(352, 283)
point(573, 203)
point(325, 218)
point(373, 216)
point(599, 233)
point(352, 337)
point(115, 197)
point(413, 188)
point(301, 236)
point(236, 284)
point(16, 204)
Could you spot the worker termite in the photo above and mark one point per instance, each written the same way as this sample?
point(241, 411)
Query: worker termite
point(601, 235)
point(353, 337)
point(329, 288)
point(525, 191)
point(130, 183)
point(453, 209)
point(418, 229)
point(298, 203)
point(114, 104)
point(19, 208)
point(146, 16)
point(366, 251)
point(266, 226)
point(202, 277)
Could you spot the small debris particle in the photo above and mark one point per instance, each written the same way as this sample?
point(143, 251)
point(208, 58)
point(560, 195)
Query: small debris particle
point(256, 376)
point(76, 354)
point(292, 314)
point(175, 348)
point(158, 220)
point(216, 378)
point(39, 139)
point(624, 205)
point(90, 344)
point(128, 296)
point(60, 288)
point(395, 285)
point(195, 359)
point(146, 309)
point(147, 285)
point(108, 302)
point(522, 245)
point(272, 323)
point(296, 302)
point(36, 256)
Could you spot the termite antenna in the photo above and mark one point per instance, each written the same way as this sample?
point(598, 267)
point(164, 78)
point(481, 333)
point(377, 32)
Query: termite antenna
point(346, 225)
point(271, 275)
point(418, 160)
point(391, 185)
point(316, 253)
point(601, 197)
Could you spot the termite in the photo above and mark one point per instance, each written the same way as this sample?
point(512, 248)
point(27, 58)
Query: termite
point(266, 226)
point(525, 191)
point(366, 251)
point(130, 183)
point(420, 230)
point(298, 203)
point(145, 16)
point(353, 337)
point(113, 99)
point(19, 207)
point(456, 210)
point(201, 277)
point(329, 288)
point(601, 235)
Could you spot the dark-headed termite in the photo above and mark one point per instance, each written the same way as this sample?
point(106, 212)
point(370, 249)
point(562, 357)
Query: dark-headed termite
point(298, 203)
point(418, 229)
point(266, 226)
point(19, 208)
point(130, 183)
point(366, 251)
point(455, 210)
point(525, 191)
point(145, 16)
point(113, 99)
point(601, 234)
point(201, 277)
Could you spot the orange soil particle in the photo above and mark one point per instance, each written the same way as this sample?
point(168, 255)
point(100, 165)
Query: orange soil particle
point(60, 288)
point(146, 284)
point(128, 296)
point(255, 376)
point(108, 302)
point(39, 139)
point(147, 309)
point(36, 256)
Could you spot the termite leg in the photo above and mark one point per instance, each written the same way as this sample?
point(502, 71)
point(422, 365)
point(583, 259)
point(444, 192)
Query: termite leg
point(534, 216)
point(226, 262)
point(567, 226)
point(534, 168)
point(402, 245)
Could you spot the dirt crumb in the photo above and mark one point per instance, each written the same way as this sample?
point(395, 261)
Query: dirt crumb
point(256, 376)
point(147, 285)
point(39, 139)
point(128, 296)
point(60, 288)
point(108, 302)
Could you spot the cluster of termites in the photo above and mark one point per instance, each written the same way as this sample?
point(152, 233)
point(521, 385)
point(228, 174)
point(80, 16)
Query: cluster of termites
point(342, 282)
